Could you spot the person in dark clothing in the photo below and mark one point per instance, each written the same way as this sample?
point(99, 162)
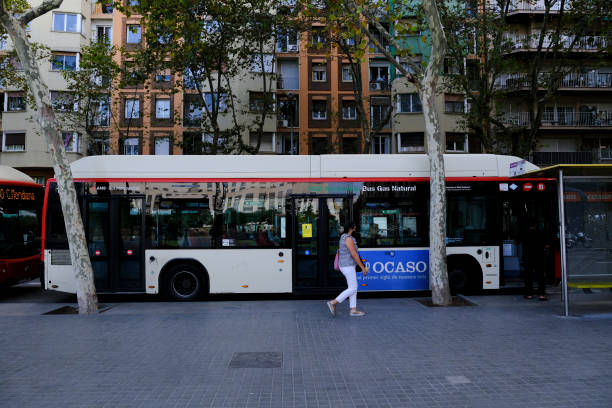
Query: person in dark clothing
point(534, 248)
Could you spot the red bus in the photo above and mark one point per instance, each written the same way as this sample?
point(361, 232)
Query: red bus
point(21, 202)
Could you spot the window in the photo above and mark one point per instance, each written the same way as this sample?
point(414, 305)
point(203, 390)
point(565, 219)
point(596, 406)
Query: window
point(319, 72)
point(319, 145)
point(380, 109)
point(381, 144)
point(39, 180)
point(268, 63)
point(260, 100)
point(349, 110)
point(347, 73)
point(72, 141)
point(63, 101)
point(133, 34)
point(104, 34)
point(181, 223)
point(456, 142)
point(70, 23)
point(101, 111)
point(453, 104)
point(470, 218)
point(132, 108)
point(410, 142)
point(409, 103)
point(163, 76)
point(319, 110)
point(16, 102)
point(379, 76)
point(64, 61)
point(287, 143)
point(287, 41)
point(162, 146)
point(162, 108)
point(395, 220)
point(319, 38)
point(451, 66)
point(99, 144)
point(131, 146)
point(211, 101)
point(192, 113)
point(350, 145)
point(14, 142)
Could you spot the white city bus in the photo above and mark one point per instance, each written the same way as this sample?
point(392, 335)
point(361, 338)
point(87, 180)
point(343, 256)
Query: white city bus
point(186, 226)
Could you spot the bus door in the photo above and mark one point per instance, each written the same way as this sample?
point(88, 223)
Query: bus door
point(522, 206)
point(317, 226)
point(115, 237)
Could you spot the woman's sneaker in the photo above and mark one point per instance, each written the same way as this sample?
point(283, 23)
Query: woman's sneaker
point(357, 313)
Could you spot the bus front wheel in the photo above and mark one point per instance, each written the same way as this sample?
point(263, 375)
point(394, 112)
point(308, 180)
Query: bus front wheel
point(184, 282)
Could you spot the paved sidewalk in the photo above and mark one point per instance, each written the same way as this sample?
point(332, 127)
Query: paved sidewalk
point(506, 352)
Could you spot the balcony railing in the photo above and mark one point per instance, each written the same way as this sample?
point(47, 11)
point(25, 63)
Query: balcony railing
point(527, 5)
point(571, 80)
point(284, 82)
point(587, 43)
point(553, 158)
point(562, 119)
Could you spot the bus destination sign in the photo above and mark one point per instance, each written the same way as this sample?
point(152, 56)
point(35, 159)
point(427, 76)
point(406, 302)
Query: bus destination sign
point(13, 194)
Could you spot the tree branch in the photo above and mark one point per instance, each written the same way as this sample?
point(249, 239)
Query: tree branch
point(45, 7)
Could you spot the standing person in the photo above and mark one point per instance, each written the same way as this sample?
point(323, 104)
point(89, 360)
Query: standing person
point(533, 254)
point(349, 258)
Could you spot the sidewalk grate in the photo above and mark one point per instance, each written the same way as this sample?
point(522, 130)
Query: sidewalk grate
point(257, 360)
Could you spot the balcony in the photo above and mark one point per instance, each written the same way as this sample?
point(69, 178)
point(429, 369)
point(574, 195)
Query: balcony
point(558, 119)
point(574, 80)
point(552, 158)
point(102, 7)
point(287, 82)
point(530, 6)
point(525, 42)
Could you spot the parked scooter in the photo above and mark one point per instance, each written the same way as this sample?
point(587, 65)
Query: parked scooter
point(579, 238)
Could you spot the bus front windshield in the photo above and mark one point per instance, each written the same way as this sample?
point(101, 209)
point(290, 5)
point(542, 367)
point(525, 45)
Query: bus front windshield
point(19, 228)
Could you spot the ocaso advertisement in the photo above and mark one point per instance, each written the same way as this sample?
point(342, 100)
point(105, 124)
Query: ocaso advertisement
point(395, 270)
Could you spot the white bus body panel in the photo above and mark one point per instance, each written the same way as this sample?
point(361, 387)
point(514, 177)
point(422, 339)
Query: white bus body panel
point(488, 259)
point(229, 270)
point(58, 272)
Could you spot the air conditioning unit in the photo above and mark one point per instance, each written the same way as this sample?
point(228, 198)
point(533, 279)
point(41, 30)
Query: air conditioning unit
point(375, 86)
point(283, 123)
point(292, 48)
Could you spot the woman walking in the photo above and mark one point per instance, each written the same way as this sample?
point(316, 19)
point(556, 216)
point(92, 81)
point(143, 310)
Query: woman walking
point(349, 258)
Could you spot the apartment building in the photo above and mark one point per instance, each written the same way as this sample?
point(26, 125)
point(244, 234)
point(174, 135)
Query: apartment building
point(577, 122)
point(315, 109)
point(64, 31)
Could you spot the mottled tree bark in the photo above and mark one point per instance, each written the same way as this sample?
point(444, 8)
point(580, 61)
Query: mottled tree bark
point(438, 275)
point(15, 24)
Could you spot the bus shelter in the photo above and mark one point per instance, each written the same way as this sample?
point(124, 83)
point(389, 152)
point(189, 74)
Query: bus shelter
point(585, 229)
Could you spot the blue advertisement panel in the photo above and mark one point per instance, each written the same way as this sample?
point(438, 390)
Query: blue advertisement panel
point(403, 269)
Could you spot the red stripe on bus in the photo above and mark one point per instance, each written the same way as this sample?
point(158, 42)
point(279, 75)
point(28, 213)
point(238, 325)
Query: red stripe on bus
point(44, 220)
point(289, 180)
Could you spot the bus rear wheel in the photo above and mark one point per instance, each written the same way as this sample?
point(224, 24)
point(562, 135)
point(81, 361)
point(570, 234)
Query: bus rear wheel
point(184, 282)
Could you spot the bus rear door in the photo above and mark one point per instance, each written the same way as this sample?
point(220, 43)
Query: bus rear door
point(318, 223)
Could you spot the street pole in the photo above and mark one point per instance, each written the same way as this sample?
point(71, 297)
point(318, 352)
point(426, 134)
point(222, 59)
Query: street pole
point(563, 247)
